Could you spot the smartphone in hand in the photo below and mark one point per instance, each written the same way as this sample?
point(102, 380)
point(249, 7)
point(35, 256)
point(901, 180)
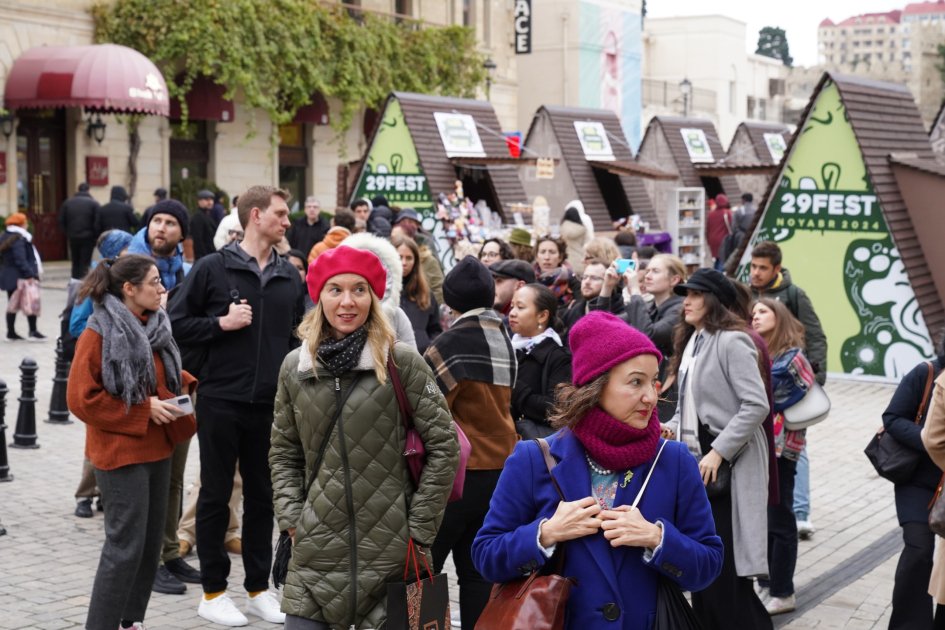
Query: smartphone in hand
point(184, 403)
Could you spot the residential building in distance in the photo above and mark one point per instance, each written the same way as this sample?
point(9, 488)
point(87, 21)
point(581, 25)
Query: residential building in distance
point(900, 46)
point(697, 66)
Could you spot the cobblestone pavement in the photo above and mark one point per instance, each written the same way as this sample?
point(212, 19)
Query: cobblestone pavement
point(48, 557)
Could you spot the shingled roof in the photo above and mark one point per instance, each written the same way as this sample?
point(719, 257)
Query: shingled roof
point(441, 174)
point(670, 127)
point(885, 120)
point(756, 134)
point(582, 173)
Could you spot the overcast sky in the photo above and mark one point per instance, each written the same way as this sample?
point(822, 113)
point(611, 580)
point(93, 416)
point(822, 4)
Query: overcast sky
point(798, 18)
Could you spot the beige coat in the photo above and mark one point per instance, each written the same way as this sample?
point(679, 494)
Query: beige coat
point(933, 437)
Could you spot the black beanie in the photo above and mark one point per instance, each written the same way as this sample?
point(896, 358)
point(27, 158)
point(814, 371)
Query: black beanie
point(174, 208)
point(469, 285)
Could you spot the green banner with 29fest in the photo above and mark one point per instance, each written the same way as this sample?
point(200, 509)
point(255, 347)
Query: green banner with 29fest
point(829, 223)
point(392, 167)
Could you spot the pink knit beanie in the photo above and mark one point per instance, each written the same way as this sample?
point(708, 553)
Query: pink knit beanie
point(599, 341)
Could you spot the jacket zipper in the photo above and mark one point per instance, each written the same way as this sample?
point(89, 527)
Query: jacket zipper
point(349, 501)
point(260, 328)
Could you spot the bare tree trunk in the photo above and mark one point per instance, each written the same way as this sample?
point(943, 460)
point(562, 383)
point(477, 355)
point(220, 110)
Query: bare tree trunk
point(134, 147)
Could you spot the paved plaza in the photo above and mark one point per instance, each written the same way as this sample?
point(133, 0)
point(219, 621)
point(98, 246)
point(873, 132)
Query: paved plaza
point(48, 557)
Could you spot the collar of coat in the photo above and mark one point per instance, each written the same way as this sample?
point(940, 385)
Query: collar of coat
point(306, 368)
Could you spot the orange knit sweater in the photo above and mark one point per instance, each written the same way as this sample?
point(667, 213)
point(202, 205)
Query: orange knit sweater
point(114, 436)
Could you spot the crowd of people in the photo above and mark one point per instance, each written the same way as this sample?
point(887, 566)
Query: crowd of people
point(633, 413)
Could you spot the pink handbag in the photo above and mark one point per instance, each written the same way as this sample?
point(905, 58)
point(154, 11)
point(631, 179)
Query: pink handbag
point(414, 450)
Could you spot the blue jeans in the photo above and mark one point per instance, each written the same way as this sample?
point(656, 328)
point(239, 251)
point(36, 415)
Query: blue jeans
point(802, 488)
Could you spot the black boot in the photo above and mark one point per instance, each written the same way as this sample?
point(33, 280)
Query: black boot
point(34, 335)
point(11, 332)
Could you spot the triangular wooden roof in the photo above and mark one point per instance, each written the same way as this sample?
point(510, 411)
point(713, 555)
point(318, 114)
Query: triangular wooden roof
point(756, 133)
point(670, 127)
point(418, 112)
point(582, 173)
point(937, 131)
point(885, 120)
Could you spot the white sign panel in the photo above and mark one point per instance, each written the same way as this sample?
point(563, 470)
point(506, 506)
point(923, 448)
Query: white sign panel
point(776, 146)
point(697, 145)
point(594, 140)
point(459, 135)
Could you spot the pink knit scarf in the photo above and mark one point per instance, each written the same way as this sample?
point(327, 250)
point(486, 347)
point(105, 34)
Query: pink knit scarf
point(615, 445)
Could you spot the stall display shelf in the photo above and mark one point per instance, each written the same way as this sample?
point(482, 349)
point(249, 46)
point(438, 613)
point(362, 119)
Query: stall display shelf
point(688, 220)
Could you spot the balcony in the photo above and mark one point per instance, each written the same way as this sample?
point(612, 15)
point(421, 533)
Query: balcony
point(667, 94)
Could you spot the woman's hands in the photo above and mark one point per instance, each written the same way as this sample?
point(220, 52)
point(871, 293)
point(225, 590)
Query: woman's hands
point(709, 466)
point(625, 526)
point(572, 519)
point(163, 412)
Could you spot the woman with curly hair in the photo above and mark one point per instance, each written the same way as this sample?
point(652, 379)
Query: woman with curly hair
point(553, 270)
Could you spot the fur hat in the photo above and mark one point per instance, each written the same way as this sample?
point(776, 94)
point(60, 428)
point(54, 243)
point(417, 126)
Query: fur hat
point(599, 341)
point(469, 285)
point(341, 260)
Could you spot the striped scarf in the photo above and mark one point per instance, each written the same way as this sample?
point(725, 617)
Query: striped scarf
point(475, 348)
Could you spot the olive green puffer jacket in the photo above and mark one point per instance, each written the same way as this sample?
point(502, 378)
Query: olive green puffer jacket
point(353, 525)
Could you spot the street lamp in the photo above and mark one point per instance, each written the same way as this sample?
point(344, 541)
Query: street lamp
point(685, 88)
point(95, 128)
point(490, 67)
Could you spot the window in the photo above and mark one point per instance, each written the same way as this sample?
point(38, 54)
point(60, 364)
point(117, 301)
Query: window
point(762, 109)
point(469, 18)
point(732, 88)
point(750, 107)
point(403, 7)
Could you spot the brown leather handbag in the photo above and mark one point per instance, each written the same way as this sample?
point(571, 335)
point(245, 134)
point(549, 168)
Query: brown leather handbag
point(534, 602)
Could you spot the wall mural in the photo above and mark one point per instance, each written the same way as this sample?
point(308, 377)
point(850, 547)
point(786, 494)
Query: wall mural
point(831, 229)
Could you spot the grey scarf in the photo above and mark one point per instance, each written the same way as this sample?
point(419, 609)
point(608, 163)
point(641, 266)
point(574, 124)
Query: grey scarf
point(127, 350)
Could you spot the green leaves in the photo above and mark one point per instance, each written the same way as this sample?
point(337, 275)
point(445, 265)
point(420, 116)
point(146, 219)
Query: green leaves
point(278, 53)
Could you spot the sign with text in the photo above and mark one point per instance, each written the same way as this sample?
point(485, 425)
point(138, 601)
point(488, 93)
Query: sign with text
point(522, 25)
point(697, 145)
point(459, 135)
point(594, 140)
point(776, 145)
point(545, 168)
point(96, 170)
point(830, 225)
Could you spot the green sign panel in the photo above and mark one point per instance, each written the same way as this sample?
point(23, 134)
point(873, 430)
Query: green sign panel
point(392, 167)
point(830, 226)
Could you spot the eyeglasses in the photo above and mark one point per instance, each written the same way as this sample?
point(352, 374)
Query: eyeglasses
point(154, 282)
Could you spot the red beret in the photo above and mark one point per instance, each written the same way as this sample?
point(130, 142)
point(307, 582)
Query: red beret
point(344, 259)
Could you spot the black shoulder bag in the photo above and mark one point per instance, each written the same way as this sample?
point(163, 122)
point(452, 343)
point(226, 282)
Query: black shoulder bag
point(283, 551)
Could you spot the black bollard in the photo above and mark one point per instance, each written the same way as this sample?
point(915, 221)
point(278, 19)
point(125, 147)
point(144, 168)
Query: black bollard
point(58, 409)
point(4, 465)
point(25, 434)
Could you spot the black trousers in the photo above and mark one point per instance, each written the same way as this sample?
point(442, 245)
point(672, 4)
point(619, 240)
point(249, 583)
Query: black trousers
point(463, 519)
point(730, 602)
point(911, 603)
point(229, 431)
point(81, 249)
point(782, 534)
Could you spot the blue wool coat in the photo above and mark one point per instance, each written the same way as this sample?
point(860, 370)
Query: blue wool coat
point(691, 554)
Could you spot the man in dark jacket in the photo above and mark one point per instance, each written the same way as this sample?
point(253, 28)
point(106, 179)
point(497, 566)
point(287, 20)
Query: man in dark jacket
point(769, 279)
point(308, 230)
point(78, 218)
point(202, 225)
point(239, 308)
point(117, 214)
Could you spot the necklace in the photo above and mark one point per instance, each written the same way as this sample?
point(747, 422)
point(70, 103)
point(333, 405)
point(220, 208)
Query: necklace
point(595, 467)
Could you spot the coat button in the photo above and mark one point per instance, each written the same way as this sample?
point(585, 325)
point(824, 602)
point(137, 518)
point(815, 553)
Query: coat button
point(611, 611)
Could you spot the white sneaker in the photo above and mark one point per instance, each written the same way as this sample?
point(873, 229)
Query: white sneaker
point(267, 607)
point(780, 605)
point(221, 610)
point(762, 591)
point(805, 529)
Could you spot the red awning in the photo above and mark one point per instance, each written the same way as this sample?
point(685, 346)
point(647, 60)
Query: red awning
point(205, 102)
point(102, 77)
point(315, 112)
